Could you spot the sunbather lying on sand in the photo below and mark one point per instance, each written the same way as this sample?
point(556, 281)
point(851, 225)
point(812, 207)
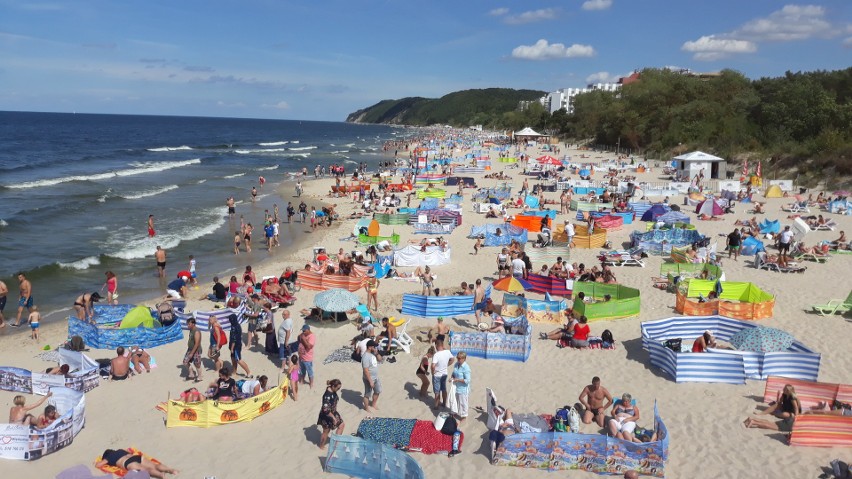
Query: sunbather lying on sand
point(123, 459)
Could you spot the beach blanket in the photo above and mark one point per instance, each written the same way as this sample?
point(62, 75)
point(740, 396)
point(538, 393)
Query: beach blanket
point(425, 439)
point(340, 355)
point(391, 431)
point(123, 472)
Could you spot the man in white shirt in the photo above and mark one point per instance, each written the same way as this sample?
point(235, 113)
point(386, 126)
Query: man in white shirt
point(784, 241)
point(441, 362)
point(284, 330)
point(569, 231)
point(518, 267)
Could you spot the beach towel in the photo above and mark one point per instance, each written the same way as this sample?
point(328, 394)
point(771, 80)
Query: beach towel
point(340, 355)
point(426, 439)
point(391, 431)
point(124, 472)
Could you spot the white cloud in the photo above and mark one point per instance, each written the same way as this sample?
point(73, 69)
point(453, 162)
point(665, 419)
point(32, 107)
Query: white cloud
point(793, 22)
point(711, 47)
point(281, 105)
point(532, 16)
point(597, 4)
point(602, 77)
point(542, 50)
point(498, 12)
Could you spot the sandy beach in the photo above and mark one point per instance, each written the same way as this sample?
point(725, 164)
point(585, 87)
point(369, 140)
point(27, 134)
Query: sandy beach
point(707, 438)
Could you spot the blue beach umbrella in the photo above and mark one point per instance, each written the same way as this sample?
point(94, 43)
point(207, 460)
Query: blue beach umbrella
point(762, 340)
point(585, 172)
point(336, 300)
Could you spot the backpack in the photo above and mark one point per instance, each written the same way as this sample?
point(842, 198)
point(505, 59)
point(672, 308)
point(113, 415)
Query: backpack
point(561, 419)
point(450, 426)
point(673, 344)
point(607, 338)
point(166, 313)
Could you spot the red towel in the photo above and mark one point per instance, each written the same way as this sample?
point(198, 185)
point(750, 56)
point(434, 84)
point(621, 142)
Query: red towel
point(426, 439)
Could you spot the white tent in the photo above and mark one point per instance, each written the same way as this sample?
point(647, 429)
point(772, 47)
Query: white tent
point(412, 256)
point(528, 132)
point(698, 156)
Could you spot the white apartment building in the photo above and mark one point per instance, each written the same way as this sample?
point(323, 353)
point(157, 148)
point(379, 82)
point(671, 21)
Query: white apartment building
point(564, 98)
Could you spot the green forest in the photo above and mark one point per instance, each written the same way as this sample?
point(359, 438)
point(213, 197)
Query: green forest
point(799, 123)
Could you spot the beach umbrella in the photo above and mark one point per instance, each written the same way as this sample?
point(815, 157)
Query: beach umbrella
point(585, 172)
point(336, 300)
point(548, 160)
point(762, 340)
point(511, 284)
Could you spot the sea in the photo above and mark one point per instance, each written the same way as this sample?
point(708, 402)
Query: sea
point(76, 191)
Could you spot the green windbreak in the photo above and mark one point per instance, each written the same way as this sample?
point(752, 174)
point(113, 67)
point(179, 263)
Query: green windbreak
point(738, 291)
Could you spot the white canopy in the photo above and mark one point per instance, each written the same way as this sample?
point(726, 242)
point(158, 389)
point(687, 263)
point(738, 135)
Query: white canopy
point(698, 156)
point(528, 132)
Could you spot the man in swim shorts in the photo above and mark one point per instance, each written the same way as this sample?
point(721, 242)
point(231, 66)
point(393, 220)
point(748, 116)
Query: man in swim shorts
point(592, 398)
point(151, 231)
point(160, 256)
point(26, 299)
point(4, 290)
point(119, 365)
point(230, 204)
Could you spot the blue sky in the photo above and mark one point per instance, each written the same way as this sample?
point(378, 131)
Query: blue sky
point(321, 60)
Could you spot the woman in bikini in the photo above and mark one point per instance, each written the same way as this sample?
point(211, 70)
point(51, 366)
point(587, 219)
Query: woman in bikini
point(423, 372)
point(624, 417)
point(84, 306)
point(247, 237)
point(111, 286)
point(19, 413)
point(372, 287)
point(786, 408)
point(128, 461)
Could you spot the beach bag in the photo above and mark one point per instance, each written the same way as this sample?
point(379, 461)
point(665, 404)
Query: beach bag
point(573, 420)
point(607, 339)
point(561, 419)
point(450, 426)
point(673, 344)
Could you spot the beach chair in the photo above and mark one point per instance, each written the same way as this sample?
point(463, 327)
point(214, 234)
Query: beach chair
point(761, 262)
point(834, 306)
point(365, 314)
point(827, 226)
point(632, 256)
point(809, 256)
point(797, 207)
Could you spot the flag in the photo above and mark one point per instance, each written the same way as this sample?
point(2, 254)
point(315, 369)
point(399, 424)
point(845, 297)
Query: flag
point(757, 172)
point(745, 167)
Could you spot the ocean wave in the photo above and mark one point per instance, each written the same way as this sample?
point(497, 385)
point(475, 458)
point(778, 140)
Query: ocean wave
point(303, 155)
point(201, 181)
point(138, 169)
point(145, 247)
point(82, 264)
point(234, 176)
point(3, 223)
point(302, 148)
point(294, 142)
point(257, 151)
point(274, 143)
point(145, 194)
point(170, 148)
point(267, 168)
point(350, 161)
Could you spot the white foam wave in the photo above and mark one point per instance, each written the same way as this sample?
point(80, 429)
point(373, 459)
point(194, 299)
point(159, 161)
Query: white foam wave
point(302, 148)
point(145, 247)
point(268, 168)
point(274, 143)
point(138, 169)
point(170, 148)
point(350, 161)
point(103, 198)
point(234, 176)
point(303, 155)
point(82, 264)
point(145, 194)
point(337, 152)
point(295, 141)
point(99, 228)
point(349, 145)
point(200, 181)
point(256, 151)
point(3, 223)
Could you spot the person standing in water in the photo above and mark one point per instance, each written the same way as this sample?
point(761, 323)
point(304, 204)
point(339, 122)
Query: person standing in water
point(26, 299)
point(160, 256)
point(4, 291)
point(253, 194)
point(151, 232)
point(231, 208)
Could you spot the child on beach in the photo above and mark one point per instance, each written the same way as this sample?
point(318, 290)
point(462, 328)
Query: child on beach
point(193, 279)
point(237, 238)
point(294, 376)
point(476, 246)
point(34, 318)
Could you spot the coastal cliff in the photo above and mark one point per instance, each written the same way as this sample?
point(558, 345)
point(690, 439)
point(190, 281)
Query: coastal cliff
point(462, 108)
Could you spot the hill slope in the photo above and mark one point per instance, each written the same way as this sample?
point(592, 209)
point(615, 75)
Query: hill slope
point(462, 108)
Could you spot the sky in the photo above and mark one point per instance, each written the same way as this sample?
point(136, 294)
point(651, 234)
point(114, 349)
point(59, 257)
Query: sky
point(323, 59)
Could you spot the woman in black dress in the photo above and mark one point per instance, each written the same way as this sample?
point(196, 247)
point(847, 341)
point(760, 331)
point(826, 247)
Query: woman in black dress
point(328, 417)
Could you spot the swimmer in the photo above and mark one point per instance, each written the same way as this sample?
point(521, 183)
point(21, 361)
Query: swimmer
point(151, 231)
point(160, 256)
point(253, 194)
point(231, 208)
